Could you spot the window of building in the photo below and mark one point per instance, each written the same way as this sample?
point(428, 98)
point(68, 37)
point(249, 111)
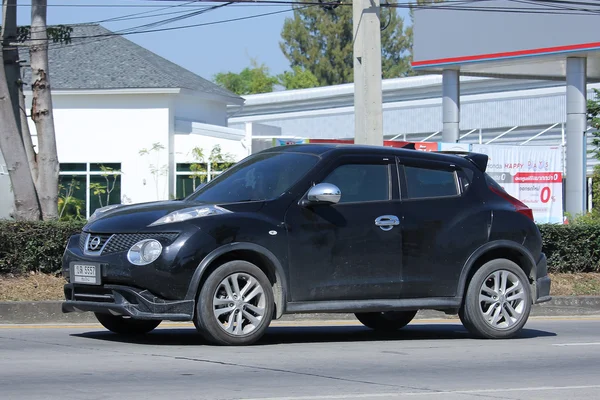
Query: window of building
point(427, 183)
point(190, 176)
point(361, 182)
point(85, 187)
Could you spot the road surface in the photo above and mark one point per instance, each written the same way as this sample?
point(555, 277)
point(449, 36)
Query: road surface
point(553, 359)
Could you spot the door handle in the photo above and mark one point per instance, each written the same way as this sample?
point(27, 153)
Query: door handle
point(387, 222)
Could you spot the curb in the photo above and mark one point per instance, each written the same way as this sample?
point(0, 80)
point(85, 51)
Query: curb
point(49, 312)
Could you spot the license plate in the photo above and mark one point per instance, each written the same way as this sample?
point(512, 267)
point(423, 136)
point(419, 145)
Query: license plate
point(85, 273)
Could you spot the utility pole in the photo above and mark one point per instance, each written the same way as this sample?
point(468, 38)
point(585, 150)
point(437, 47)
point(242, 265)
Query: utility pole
point(368, 118)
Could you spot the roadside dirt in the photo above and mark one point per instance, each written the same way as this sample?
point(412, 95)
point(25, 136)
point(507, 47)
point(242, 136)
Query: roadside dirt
point(40, 287)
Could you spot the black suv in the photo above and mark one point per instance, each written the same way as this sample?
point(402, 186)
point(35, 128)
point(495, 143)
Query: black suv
point(380, 232)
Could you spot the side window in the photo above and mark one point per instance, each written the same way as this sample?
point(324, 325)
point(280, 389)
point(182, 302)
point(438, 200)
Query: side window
point(465, 177)
point(361, 182)
point(427, 183)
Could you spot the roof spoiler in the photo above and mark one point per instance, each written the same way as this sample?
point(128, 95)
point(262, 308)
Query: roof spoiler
point(479, 159)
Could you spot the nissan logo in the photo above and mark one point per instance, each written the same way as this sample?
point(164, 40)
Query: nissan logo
point(95, 243)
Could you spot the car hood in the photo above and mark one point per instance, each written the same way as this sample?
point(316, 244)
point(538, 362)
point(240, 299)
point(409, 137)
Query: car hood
point(136, 217)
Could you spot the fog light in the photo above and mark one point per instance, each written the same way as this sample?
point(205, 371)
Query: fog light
point(144, 252)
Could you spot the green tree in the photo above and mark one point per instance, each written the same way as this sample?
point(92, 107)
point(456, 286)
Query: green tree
point(321, 41)
point(69, 206)
point(298, 78)
point(593, 116)
point(251, 80)
point(100, 189)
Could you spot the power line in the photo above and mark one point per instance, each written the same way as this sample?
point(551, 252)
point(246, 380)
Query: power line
point(125, 17)
point(463, 5)
point(103, 37)
point(173, 19)
point(552, 4)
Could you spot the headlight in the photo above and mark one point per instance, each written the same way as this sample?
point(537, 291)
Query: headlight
point(102, 210)
point(144, 252)
point(189, 213)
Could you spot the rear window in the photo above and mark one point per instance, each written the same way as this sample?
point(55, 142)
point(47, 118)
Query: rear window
point(427, 183)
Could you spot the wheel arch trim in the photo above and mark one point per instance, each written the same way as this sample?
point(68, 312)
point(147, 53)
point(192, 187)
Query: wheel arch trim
point(279, 288)
point(490, 246)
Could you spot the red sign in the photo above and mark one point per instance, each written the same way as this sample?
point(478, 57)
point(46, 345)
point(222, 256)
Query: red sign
point(426, 146)
point(538, 177)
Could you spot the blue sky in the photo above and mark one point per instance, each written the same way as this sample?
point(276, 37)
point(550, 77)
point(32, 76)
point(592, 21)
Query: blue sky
point(204, 50)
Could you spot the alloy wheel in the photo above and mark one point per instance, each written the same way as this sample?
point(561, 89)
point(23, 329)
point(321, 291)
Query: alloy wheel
point(502, 299)
point(239, 304)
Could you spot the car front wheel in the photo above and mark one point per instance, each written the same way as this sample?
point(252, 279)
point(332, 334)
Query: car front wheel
point(235, 304)
point(498, 300)
point(386, 321)
point(126, 326)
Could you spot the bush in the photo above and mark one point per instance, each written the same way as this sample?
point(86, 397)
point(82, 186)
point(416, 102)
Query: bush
point(39, 246)
point(34, 246)
point(572, 248)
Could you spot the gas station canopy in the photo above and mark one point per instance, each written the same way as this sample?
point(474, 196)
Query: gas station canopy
point(507, 39)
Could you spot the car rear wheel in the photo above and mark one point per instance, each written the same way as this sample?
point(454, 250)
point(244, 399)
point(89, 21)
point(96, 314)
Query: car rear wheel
point(235, 304)
point(498, 300)
point(126, 326)
point(386, 321)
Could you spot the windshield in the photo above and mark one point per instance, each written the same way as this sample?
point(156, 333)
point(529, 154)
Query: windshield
point(259, 177)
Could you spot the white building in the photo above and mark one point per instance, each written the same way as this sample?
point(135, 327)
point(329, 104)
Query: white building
point(113, 98)
point(497, 111)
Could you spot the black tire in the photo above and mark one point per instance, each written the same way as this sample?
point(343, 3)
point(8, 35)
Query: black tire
point(212, 327)
point(472, 311)
point(126, 326)
point(386, 321)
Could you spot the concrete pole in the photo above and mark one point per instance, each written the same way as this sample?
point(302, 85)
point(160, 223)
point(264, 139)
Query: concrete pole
point(451, 105)
point(576, 135)
point(368, 118)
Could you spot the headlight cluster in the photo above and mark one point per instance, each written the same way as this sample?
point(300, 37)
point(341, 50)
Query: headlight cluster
point(189, 213)
point(148, 250)
point(144, 252)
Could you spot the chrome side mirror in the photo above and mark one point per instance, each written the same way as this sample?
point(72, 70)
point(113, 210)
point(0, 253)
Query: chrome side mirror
point(324, 193)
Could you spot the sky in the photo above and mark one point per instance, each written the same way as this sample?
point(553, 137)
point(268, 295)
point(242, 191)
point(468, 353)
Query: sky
point(204, 50)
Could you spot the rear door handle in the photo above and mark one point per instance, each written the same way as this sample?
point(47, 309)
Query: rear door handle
point(387, 222)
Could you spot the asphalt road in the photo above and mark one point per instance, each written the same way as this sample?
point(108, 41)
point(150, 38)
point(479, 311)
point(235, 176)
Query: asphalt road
point(433, 360)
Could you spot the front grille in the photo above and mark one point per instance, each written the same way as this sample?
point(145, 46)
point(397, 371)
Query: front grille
point(124, 241)
point(114, 243)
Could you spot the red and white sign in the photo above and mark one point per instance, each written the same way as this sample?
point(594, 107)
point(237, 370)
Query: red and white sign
point(532, 174)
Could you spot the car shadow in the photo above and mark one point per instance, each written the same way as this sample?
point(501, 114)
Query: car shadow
point(308, 334)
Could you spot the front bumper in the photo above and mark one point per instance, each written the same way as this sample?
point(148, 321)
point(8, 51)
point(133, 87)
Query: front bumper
point(542, 283)
point(126, 301)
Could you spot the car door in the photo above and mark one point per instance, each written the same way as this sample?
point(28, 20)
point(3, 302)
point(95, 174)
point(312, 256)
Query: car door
point(439, 226)
point(340, 251)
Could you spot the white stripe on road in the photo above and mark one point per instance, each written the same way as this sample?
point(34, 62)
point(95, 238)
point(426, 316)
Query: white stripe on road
point(428, 392)
point(577, 344)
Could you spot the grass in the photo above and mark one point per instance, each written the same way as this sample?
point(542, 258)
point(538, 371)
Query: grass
point(41, 287)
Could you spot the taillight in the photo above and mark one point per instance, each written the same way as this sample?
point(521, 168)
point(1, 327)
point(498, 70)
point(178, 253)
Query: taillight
point(520, 207)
